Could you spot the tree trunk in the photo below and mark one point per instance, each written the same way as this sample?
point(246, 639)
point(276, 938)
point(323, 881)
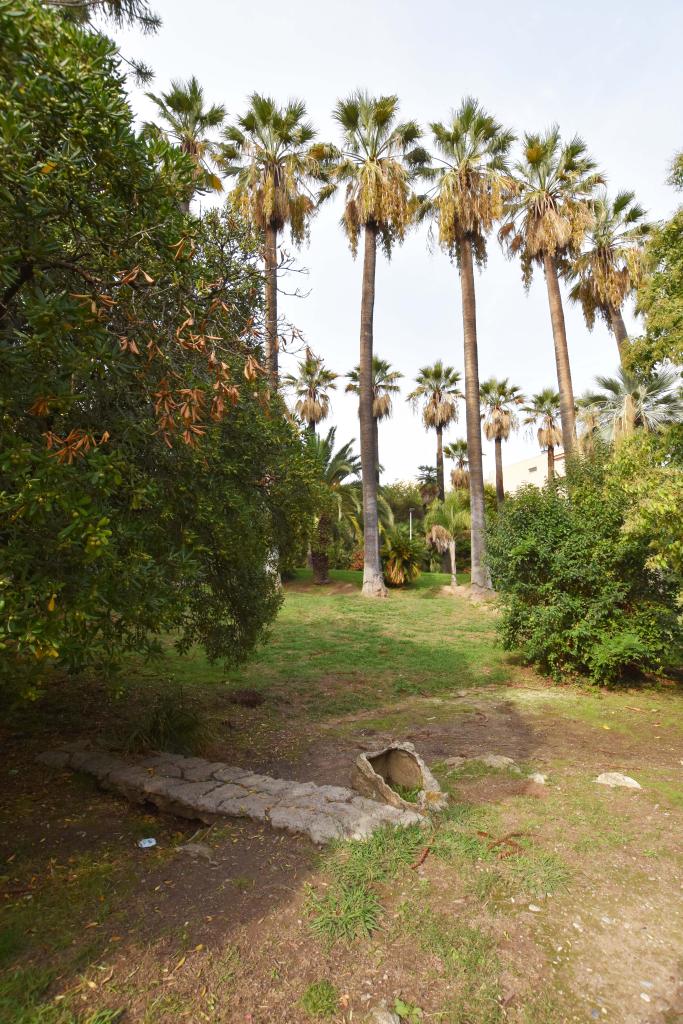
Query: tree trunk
point(454, 574)
point(373, 581)
point(439, 463)
point(320, 561)
point(270, 259)
point(375, 431)
point(480, 579)
point(311, 427)
point(620, 333)
point(551, 462)
point(500, 490)
point(564, 375)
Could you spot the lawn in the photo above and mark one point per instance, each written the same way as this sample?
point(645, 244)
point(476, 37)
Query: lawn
point(572, 920)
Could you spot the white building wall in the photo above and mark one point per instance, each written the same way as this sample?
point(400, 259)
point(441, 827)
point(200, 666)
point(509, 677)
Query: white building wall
point(528, 471)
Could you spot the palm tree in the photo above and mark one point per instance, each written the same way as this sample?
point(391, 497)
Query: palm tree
point(498, 398)
point(270, 154)
point(427, 485)
point(376, 164)
point(334, 470)
point(630, 401)
point(311, 387)
point(447, 521)
point(608, 268)
point(544, 409)
point(470, 183)
point(546, 220)
point(437, 389)
point(384, 385)
point(457, 450)
point(187, 122)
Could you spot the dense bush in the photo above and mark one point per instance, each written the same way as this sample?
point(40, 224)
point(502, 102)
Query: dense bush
point(146, 476)
point(580, 590)
point(402, 556)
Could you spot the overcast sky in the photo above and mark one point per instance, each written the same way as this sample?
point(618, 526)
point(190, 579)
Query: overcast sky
point(609, 70)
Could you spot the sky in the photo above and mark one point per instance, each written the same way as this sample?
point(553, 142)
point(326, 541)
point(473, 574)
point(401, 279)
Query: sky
point(607, 70)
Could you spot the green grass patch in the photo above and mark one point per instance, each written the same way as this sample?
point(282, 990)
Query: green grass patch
point(321, 999)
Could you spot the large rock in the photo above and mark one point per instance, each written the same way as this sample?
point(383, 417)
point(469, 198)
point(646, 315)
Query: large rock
point(398, 764)
point(617, 779)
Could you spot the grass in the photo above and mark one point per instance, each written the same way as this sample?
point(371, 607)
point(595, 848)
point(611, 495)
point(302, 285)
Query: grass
point(320, 999)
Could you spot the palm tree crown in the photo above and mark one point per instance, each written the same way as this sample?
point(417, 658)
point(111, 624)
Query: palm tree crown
point(311, 387)
point(384, 385)
point(544, 409)
point(629, 401)
point(457, 451)
point(187, 122)
point(334, 467)
point(471, 177)
point(270, 154)
point(437, 389)
point(498, 398)
point(376, 162)
point(550, 208)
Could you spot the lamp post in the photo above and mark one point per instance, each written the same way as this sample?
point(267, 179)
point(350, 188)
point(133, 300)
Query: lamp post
point(410, 513)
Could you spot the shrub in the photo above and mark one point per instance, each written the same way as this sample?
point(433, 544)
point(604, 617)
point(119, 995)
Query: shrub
point(580, 593)
point(402, 556)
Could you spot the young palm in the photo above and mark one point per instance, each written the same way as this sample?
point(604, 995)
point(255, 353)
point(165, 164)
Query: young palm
point(546, 220)
point(311, 387)
point(457, 450)
point(384, 385)
point(630, 401)
point(187, 123)
point(470, 181)
point(376, 164)
point(498, 398)
point(270, 154)
point(608, 268)
point(437, 389)
point(334, 469)
point(544, 409)
point(445, 523)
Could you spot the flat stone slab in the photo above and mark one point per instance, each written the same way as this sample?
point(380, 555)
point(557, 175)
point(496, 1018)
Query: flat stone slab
point(208, 790)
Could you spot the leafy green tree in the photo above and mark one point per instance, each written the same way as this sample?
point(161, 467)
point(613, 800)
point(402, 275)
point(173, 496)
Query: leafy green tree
point(311, 387)
point(270, 153)
point(447, 522)
point(574, 565)
point(438, 392)
point(186, 122)
point(457, 451)
point(499, 397)
point(543, 411)
point(122, 14)
point(143, 477)
point(333, 468)
point(547, 217)
point(470, 182)
point(660, 294)
point(630, 401)
point(376, 165)
point(384, 386)
point(402, 496)
point(609, 267)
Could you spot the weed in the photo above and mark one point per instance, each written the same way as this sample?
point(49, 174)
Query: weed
point(174, 724)
point(410, 794)
point(344, 912)
point(320, 999)
point(408, 1012)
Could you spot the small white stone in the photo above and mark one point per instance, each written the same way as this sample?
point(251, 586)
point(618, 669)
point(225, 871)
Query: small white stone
point(645, 997)
point(534, 909)
point(539, 778)
point(617, 779)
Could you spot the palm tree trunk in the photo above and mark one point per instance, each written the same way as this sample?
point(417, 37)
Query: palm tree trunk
point(375, 424)
point(454, 574)
point(319, 557)
point(564, 375)
point(500, 490)
point(270, 259)
point(439, 463)
point(311, 427)
point(620, 332)
point(373, 582)
point(480, 578)
point(551, 462)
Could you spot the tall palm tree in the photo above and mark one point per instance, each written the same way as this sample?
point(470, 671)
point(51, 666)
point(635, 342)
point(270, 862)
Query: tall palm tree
point(437, 389)
point(457, 450)
point(470, 181)
point(334, 468)
point(187, 122)
point(384, 385)
point(427, 485)
point(544, 409)
point(630, 401)
point(270, 154)
point(498, 398)
point(446, 522)
point(608, 268)
point(376, 164)
point(547, 217)
point(311, 387)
